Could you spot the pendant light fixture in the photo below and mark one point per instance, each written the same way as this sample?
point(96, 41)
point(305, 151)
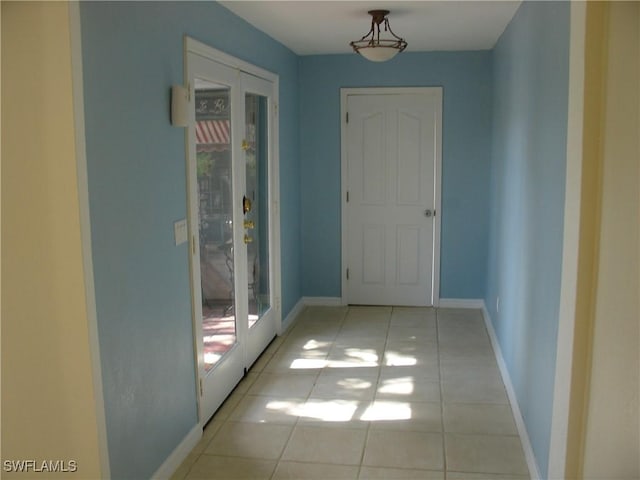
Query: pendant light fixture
point(377, 49)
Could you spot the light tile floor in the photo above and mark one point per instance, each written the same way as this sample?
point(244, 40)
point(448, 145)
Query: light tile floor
point(367, 393)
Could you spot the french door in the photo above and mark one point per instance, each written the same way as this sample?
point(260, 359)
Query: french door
point(232, 216)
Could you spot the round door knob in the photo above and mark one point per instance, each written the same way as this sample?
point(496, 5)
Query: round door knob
point(428, 213)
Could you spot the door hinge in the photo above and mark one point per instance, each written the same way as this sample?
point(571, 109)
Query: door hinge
point(189, 92)
point(347, 196)
point(347, 274)
point(201, 389)
point(275, 108)
point(193, 244)
point(347, 117)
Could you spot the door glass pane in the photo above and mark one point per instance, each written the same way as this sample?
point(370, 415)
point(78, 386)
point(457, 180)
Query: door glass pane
point(257, 215)
point(215, 214)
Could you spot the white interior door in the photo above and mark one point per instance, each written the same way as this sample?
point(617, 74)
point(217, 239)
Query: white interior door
point(234, 252)
point(391, 199)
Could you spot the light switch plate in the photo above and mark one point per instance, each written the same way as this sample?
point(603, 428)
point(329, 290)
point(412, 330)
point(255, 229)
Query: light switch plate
point(180, 231)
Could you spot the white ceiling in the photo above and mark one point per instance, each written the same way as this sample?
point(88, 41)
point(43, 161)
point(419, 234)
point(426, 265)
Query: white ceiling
point(311, 27)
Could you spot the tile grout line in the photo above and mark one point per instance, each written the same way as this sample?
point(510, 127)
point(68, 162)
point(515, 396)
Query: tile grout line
point(286, 444)
point(295, 424)
point(441, 388)
point(368, 427)
point(380, 362)
point(293, 428)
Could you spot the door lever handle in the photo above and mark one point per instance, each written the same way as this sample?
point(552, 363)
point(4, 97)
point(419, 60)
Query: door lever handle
point(429, 213)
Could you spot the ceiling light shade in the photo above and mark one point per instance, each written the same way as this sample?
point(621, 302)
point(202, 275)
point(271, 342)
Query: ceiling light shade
point(377, 49)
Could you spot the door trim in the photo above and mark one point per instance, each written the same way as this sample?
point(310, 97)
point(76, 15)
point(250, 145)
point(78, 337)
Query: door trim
point(75, 46)
point(194, 46)
point(344, 94)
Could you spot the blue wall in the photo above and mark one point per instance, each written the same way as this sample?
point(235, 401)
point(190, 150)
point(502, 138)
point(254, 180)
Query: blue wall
point(466, 78)
point(527, 184)
point(132, 54)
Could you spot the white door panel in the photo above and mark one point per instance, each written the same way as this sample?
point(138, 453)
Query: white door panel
point(392, 148)
point(373, 247)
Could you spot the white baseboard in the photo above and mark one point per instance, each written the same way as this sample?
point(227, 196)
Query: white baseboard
point(307, 302)
point(173, 461)
point(443, 302)
point(461, 303)
point(288, 321)
point(322, 301)
point(534, 472)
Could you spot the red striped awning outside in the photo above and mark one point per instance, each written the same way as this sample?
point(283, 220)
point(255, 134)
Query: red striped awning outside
point(213, 132)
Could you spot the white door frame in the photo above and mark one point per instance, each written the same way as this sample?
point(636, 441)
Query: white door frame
point(192, 46)
point(75, 46)
point(346, 92)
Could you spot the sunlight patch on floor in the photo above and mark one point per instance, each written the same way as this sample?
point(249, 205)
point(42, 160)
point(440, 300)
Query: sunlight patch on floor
point(315, 344)
point(348, 364)
point(393, 359)
point(329, 410)
point(307, 363)
point(382, 410)
point(397, 386)
point(354, 384)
